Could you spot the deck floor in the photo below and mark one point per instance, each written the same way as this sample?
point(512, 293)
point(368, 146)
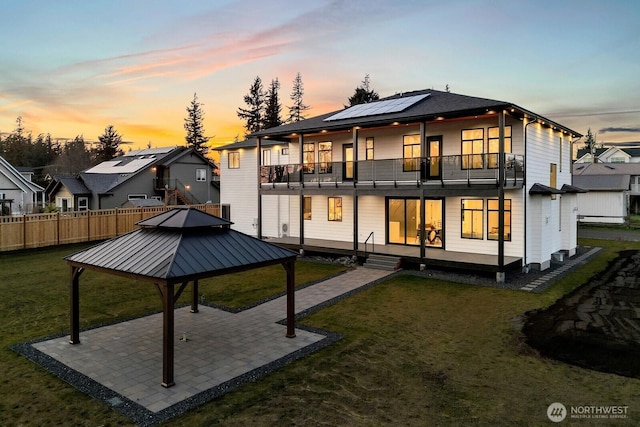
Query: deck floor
point(434, 256)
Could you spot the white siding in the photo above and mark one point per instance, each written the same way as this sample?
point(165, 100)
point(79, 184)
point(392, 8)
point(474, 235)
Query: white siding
point(239, 190)
point(319, 226)
point(545, 234)
point(602, 206)
point(371, 218)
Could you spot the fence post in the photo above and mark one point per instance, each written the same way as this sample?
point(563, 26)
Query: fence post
point(88, 225)
point(24, 231)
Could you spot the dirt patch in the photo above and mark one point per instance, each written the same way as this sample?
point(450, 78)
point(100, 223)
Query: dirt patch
point(597, 326)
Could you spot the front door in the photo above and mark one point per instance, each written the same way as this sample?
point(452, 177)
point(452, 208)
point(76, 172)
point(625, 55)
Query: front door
point(434, 166)
point(347, 162)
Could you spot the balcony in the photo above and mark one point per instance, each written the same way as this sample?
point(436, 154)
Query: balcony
point(466, 170)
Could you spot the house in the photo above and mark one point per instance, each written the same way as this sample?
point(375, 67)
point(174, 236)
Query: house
point(609, 155)
point(173, 175)
point(613, 191)
point(431, 177)
point(18, 194)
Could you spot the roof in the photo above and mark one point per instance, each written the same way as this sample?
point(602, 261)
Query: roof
point(251, 143)
point(73, 185)
point(606, 169)
point(17, 178)
point(180, 246)
point(436, 104)
point(544, 190)
point(572, 189)
point(106, 176)
point(603, 182)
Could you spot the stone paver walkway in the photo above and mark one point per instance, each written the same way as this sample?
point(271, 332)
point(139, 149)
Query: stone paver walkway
point(555, 274)
point(222, 350)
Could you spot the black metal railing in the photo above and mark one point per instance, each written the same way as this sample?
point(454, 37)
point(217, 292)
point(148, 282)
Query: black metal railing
point(467, 168)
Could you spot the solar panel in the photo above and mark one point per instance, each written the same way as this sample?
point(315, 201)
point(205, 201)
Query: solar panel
point(379, 107)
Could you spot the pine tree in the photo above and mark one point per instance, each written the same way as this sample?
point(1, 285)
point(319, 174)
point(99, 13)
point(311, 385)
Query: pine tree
point(273, 108)
point(590, 141)
point(363, 93)
point(296, 111)
point(108, 145)
point(254, 114)
point(195, 129)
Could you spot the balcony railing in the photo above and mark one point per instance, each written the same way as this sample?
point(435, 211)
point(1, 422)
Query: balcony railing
point(469, 169)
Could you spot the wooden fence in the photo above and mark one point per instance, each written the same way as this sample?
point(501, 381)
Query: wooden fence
point(48, 229)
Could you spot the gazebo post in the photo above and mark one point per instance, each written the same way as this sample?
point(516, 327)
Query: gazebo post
point(194, 296)
point(167, 335)
point(74, 304)
point(289, 266)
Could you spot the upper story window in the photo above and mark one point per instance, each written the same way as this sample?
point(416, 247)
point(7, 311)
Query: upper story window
point(553, 178)
point(411, 153)
point(473, 149)
point(201, 175)
point(324, 156)
point(309, 157)
point(285, 151)
point(369, 148)
point(493, 139)
point(234, 160)
point(266, 157)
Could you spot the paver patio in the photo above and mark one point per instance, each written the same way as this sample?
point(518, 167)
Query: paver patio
point(122, 363)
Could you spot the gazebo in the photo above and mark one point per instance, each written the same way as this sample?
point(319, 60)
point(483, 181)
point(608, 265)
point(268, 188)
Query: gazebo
point(170, 250)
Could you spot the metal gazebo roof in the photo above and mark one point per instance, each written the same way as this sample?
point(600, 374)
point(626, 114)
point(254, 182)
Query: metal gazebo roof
point(176, 247)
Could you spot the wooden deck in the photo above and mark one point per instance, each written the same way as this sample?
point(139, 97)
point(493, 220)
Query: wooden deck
point(434, 258)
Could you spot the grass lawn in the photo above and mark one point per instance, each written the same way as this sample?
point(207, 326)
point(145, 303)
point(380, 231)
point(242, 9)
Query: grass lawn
point(415, 352)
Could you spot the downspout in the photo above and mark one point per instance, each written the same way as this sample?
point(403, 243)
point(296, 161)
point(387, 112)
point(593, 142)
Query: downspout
point(258, 156)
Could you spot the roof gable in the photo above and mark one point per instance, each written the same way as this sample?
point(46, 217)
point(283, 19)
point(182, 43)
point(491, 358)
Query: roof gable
point(17, 178)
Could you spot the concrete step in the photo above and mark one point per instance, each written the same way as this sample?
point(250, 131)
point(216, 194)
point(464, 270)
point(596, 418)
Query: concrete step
point(382, 262)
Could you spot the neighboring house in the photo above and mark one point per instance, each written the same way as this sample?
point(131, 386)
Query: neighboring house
point(18, 195)
point(433, 177)
point(614, 191)
point(172, 175)
point(609, 155)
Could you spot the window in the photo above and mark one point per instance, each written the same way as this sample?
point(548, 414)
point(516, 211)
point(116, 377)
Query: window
point(553, 178)
point(266, 157)
point(494, 145)
point(83, 203)
point(64, 204)
point(335, 208)
point(472, 211)
point(369, 148)
point(307, 207)
point(324, 156)
point(234, 160)
point(560, 161)
point(493, 217)
point(201, 175)
point(136, 196)
point(473, 149)
point(309, 157)
point(285, 151)
point(617, 160)
point(411, 153)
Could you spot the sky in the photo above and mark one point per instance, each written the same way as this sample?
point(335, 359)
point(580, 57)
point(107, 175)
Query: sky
point(73, 68)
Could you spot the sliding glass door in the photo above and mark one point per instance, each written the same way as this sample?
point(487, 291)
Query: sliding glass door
point(403, 222)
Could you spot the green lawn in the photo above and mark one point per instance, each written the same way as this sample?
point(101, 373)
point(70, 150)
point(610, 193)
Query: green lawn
point(415, 352)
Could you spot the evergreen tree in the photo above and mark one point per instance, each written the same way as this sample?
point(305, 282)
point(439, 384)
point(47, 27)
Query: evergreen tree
point(254, 114)
point(195, 129)
point(273, 108)
point(296, 111)
point(590, 141)
point(73, 159)
point(363, 93)
point(108, 145)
